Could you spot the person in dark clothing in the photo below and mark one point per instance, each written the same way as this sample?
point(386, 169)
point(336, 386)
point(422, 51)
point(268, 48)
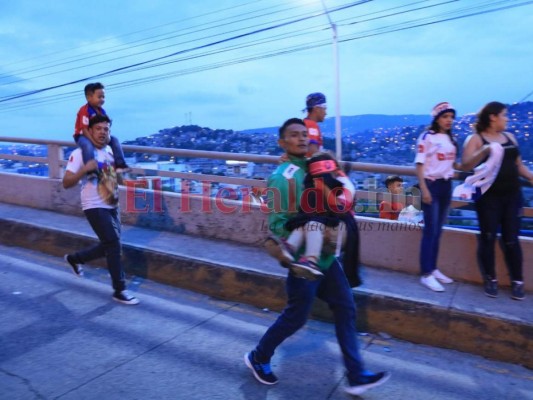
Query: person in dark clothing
point(500, 205)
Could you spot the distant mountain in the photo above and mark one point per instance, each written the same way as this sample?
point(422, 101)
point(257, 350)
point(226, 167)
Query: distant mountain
point(360, 123)
point(388, 139)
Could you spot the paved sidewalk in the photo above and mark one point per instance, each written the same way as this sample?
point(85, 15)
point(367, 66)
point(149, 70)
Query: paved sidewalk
point(461, 318)
point(62, 337)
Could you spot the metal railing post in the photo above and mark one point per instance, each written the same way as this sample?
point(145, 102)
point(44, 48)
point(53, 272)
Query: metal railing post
point(55, 155)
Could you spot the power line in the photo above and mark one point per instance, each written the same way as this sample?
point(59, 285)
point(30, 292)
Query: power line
point(135, 32)
point(459, 11)
point(182, 43)
point(100, 75)
point(437, 21)
point(401, 12)
point(23, 102)
point(303, 47)
point(165, 36)
point(145, 41)
point(527, 97)
point(198, 30)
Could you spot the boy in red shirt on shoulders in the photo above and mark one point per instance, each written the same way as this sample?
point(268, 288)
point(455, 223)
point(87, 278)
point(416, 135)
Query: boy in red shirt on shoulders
point(95, 95)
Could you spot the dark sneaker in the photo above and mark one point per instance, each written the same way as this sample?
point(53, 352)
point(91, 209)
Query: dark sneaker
point(125, 298)
point(262, 372)
point(280, 250)
point(76, 268)
point(491, 287)
point(517, 290)
point(306, 269)
point(367, 382)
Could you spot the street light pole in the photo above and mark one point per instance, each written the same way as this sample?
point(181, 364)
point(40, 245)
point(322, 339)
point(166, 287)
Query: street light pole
point(338, 130)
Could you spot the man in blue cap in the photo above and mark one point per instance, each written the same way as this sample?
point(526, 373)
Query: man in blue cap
point(315, 105)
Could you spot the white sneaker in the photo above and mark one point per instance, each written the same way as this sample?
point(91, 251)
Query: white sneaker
point(431, 283)
point(441, 277)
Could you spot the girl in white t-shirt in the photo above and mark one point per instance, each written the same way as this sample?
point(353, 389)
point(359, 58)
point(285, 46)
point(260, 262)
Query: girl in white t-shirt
point(435, 159)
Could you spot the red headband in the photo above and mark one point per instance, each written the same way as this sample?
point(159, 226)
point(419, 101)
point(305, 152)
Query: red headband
point(321, 167)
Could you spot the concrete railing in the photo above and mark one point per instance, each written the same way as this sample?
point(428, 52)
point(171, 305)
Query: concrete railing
point(385, 244)
point(55, 160)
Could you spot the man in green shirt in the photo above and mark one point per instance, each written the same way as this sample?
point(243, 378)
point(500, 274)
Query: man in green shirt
point(285, 188)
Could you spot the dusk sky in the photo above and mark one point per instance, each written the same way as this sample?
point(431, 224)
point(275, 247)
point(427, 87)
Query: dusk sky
point(247, 64)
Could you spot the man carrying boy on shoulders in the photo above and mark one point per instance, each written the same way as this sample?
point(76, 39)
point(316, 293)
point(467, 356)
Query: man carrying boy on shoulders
point(99, 201)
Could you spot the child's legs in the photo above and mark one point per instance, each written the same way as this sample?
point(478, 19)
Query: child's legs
point(330, 237)
point(335, 238)
point(296, 238)
point(118, 154)
point(87, 148)
point(314, 238)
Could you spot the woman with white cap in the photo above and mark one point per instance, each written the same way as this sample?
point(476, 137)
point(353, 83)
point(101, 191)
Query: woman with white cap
point(435, 159)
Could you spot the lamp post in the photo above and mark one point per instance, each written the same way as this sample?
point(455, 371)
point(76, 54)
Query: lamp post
point(338, 131)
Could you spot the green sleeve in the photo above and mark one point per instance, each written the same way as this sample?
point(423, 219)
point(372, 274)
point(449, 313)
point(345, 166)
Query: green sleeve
point(280, 211)
point(278, 199)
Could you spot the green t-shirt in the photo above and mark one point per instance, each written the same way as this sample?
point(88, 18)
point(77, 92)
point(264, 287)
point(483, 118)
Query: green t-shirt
point(284, 191)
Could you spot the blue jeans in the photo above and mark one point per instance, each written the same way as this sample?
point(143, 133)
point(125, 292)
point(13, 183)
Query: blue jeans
point(494, 211)
point(87, 150)
point(334, 289)
point(434, 216)
point(106, 224)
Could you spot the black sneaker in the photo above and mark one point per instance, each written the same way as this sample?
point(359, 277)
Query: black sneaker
point(491, 287)
point(367, 382)
point(262, 372)
point(517, 290)
point(125, 298)
point(76, 268)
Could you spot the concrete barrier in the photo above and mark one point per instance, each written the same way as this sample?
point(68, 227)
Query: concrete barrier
point(387, 244)
point(396, 245)
point(193, 214)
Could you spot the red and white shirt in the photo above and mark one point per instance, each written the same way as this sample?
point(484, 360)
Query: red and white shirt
point(437, 153)
point(313, 133)
point(85, 113)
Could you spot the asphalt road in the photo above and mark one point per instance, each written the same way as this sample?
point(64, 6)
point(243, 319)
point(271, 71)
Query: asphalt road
point(62, 337)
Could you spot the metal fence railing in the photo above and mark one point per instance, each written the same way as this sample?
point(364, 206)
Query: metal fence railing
point(55, 159)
